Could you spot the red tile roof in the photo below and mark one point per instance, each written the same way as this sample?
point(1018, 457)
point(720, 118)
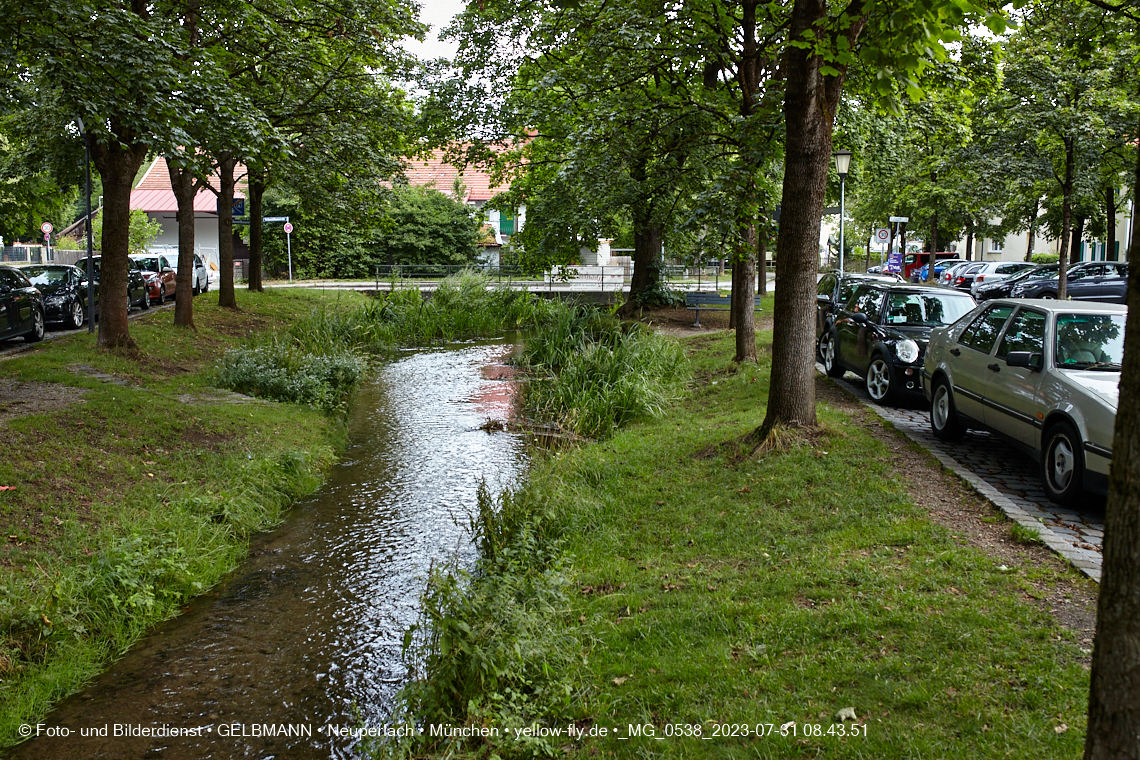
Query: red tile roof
point(153, 192)
point(434, 172)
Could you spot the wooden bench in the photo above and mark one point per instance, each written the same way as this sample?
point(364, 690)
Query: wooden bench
point(697, 300)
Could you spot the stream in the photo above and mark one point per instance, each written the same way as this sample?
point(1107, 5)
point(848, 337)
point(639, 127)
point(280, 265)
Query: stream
point(306, 633)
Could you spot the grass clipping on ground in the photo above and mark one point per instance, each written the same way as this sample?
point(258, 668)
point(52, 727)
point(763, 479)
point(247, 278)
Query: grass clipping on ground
point(713, 599)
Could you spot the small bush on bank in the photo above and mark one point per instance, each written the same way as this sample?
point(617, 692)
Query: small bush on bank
point(282, 373)
point(1045, 258)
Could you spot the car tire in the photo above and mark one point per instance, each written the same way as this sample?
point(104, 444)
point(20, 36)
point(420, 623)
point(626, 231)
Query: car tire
point(1063, 464)
point(37, 333)
point(75, 318)
point(162, 295)
point(195, 290)
point(829, 350)
point(146, 299)
point(1048, 296)
point(879, 385)
point(944, 420)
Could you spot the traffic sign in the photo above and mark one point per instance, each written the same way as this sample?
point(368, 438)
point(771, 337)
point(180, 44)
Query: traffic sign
point(274, 218)
point(46, 228)
point(882, 234)
point(288, 228)
point(903, 219)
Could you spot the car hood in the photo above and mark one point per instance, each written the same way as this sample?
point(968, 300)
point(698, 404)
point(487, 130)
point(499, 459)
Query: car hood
point(920, 335)
point(51, 289)
point(1103, 385)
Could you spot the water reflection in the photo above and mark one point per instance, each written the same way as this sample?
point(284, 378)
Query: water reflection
point(310, 628)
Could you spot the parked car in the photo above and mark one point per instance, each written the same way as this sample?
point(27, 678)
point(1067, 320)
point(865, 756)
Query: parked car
point(199, 281)
point(963, 276)
point(833, 290)
point(1043, 374)
point(64, 289)
point(21, 307)
point(940, 266)
point(948, 273)
point(881, 333)
point(996, 271)
point(137, 294)
point(1002, 288)
point(1104, 281)
point(913, 261)
point(159, 265)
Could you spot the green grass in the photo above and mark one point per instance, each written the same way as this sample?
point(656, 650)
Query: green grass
point(137, 497)
point(682, 587)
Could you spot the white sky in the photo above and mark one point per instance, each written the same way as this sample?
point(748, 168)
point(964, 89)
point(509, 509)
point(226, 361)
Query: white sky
point(437, 13)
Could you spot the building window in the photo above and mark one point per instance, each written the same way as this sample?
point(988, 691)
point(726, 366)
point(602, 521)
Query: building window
point(997, 246)
point(506, 223)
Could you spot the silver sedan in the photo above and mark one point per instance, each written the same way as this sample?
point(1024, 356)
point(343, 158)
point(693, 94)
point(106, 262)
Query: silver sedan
point(1042, 373)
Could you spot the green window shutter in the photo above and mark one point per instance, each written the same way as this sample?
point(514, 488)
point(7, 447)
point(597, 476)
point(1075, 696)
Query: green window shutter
point(506, 223)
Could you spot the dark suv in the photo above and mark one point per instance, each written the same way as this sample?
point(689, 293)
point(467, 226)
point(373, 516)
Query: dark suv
point(833, 290)
point(1002, 288)
point(1105, 281)
point(21, 307)
point(882, 331)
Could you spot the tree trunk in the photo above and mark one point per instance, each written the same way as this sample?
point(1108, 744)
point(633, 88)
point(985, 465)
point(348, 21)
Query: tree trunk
point(1066, 224)
point(743, 301)
point(810, 103)
point(969, 242)
point(930, 275)
point(1110, 223)
point(118, 161)
point(256, 193)
point(1075, 254)
point(182, 181)
point(1114, 692)
point(646, 261)
point(734, 294)
point(762, 257)
point(227, 298)
point(1032, 232)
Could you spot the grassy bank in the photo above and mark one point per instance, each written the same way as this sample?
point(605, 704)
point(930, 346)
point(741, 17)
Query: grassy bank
point(135, 484)
point(660, 579)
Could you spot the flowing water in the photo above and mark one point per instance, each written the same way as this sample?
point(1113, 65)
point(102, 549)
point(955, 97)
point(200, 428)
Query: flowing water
point(307, 633)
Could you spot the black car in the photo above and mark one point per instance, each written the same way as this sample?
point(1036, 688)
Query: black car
point(882, 331)
point(1002, 288)
point(64, 289)
point(833, 290)
point(21, 307)
point(1105, 281)
point(136, 286)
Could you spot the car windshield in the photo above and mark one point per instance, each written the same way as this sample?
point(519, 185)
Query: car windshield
point(926, 309)
point(1090, 341)
point(150, 263)
point(46, 275)
point(1036, 273)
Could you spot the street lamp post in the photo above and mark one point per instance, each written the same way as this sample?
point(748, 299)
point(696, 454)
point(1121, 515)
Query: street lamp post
point(87, 224)
point(842, 166)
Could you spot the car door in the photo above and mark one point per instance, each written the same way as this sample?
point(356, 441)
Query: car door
point(969, 359)
point(23, 302)
point(1113, 287)
point(856, 338)
point(1013, 394)
point(1083, 283)
point(8, 316)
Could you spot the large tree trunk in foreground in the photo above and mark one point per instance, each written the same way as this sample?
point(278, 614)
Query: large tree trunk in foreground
point(1066, 224)
point(810, 102)
point(185, 187)
point(226, 296)
point(118, 161)
point(1114, 694)
point(256, 193)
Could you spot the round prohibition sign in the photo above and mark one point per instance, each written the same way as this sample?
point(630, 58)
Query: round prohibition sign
point(288, 228)
point(882, 234)
point(46, 228)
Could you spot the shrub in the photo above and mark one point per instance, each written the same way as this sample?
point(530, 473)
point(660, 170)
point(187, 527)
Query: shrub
point(1045, 258)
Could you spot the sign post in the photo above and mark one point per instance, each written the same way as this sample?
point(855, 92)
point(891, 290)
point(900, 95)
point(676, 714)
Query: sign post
point(895, 259)
point(289, 245)
point(46, 228)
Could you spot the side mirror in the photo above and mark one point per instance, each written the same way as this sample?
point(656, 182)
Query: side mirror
point(166, 269)
point(1026, 359)
point(859, 318)
point(822, 299)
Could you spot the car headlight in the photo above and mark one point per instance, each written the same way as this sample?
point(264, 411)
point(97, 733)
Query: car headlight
point(53, 301)
point(907, 351)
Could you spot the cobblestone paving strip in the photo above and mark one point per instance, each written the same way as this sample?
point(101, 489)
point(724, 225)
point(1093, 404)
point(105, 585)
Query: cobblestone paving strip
point(1007, 478)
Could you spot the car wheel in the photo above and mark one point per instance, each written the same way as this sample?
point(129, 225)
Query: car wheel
point(829, 350)
point(1048, 296)
point(879, 386)
point(195, 290)
point(76, 315)
point(37, 333)
point(146, 299)
point(1063, 465)
point(162, 295)
point(944, 420)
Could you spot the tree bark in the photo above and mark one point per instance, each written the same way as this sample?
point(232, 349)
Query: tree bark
point(256, 193)
point(762, 257)
point(118, 161)
point(810, 103)
point(185, 186)
point(1066, 223)
point(227, 298)
point(970, 242)
point(744, 301)
point(1114, 693)
point(1110, 223)
point(734, 295)
point(1032, 232)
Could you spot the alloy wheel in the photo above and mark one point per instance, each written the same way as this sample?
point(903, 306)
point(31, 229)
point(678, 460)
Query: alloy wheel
point(879, 379)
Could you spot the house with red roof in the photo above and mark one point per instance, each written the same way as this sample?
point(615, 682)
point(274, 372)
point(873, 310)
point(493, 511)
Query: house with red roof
point(154, 195)
point(435, 172)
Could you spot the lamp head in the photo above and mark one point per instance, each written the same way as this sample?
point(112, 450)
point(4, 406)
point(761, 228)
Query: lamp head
point(842, 162)
point(79, 122)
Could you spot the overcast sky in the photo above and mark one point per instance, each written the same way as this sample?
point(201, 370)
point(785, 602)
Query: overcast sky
point(436, 13)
